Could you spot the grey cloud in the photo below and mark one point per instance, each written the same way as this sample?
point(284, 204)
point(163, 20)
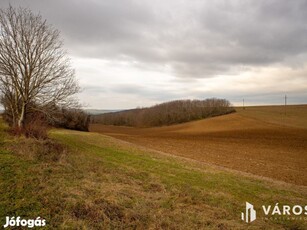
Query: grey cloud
point(153, 93)
point(196, 39)
point(146, 92)
point(92, 89)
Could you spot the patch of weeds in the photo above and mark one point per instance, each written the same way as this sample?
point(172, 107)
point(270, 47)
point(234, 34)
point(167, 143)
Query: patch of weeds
point(40, 150)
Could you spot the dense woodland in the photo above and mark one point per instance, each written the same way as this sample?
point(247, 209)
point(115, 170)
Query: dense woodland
point(168, 113)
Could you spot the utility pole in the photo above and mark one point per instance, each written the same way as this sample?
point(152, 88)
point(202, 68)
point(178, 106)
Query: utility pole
point(285, 104)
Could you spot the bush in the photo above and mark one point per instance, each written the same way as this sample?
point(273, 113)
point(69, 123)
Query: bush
point(36, 127)
point(37, 124)
point(75, 119)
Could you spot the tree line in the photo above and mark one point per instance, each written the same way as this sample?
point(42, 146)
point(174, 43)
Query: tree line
point(168, 113)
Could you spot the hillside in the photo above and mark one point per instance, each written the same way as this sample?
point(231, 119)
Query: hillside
point(99, 111)
point(100, 182)
point(251, 140)
point(290, 116)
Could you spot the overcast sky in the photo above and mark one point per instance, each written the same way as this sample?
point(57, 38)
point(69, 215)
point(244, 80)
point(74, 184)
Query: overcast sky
point(130, 53)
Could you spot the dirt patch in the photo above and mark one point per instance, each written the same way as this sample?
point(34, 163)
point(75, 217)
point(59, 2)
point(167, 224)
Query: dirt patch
point(233, 141)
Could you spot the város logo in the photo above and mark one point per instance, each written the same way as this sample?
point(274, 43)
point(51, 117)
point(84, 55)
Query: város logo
point(275, 212)
point(250, 213)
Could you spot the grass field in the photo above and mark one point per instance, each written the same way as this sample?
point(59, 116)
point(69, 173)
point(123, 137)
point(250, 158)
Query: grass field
point(98, 182)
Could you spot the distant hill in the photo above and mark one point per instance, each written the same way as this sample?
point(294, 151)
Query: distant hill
point(99, 111)
point(168, 113)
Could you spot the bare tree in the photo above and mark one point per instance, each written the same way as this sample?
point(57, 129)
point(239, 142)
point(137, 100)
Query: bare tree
point(35, 73)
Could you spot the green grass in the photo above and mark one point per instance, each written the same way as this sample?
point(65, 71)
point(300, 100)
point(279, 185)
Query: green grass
point(99, 182)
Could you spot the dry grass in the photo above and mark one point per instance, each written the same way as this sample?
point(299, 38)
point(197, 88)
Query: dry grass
point(39, 150)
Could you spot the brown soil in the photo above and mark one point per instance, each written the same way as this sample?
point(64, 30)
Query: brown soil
point(233, 141)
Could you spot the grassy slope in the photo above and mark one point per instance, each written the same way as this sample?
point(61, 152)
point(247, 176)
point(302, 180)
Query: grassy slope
point(101, 182)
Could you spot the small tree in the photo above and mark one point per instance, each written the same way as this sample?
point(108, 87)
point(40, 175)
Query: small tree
point(35, 74)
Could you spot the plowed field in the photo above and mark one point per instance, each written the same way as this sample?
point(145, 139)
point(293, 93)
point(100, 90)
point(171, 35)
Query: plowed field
point(243, 141)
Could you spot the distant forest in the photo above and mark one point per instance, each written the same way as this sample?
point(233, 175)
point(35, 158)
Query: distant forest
point(168, 113)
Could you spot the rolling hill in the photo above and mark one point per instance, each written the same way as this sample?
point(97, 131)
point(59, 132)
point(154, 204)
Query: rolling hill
point(97, 182)
point(258, 140)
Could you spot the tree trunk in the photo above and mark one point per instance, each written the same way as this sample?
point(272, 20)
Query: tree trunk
point(21, 119)
point(13, 116)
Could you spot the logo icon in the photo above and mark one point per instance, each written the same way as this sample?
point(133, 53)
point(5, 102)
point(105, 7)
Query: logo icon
point(250, 213)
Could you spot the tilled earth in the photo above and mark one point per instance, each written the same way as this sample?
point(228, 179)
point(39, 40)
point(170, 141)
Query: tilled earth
point(232, 141)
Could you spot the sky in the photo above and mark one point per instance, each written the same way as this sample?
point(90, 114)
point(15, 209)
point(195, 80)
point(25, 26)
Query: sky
point(137, 53)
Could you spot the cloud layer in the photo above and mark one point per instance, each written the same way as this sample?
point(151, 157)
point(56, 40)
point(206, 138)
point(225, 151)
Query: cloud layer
point(190, 41)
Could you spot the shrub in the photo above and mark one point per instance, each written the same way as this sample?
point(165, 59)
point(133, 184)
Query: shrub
point(75, 119)
point(36, 127)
